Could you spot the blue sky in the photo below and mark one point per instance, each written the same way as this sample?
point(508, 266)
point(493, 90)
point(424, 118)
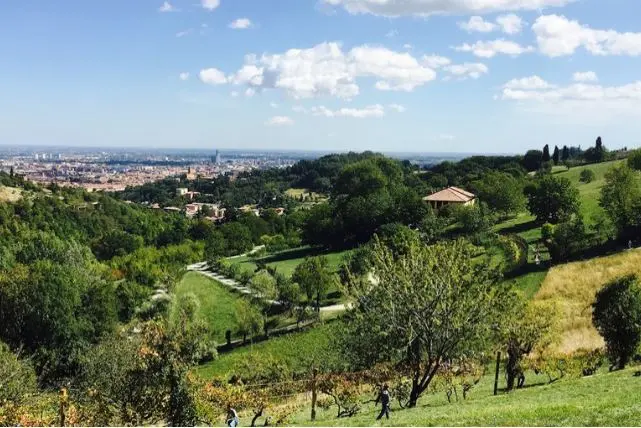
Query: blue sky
point(393, 75)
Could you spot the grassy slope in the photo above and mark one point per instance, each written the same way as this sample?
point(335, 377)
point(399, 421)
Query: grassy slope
point(286, 261)
point(574, 285)
point(292, 349)
point(216, 302)
point(10, 194)
point(607, 399)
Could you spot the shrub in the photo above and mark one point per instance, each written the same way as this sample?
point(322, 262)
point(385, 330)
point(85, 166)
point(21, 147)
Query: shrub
point(634, 160)
point(587, 176)
point(515, 249)
point(617, 316)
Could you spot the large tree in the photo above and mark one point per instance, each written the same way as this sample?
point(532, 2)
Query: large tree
point(616, 314)
point(425, 306)
point(621, 199)
point(546, 153)
point(552, 199)
point(501, 191)
point(314, 278)
point(532, 160)
point(555, 155)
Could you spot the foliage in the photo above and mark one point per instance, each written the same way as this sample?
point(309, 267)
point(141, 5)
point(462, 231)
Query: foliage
point(474, 219)
point(552, 199)
point(617, 317)
point(516, 251)
point(249, 321)
point(314, 278)
point(621, 199)
point(566, 239)
point(587, 176)
point(419, 313)
point(17, 378)
point(634, 160)
point(501, 191)
point(532, 160)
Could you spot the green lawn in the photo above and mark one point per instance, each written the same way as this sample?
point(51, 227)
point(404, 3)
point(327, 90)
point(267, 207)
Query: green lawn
point(606, 399)
point(216, 302)
point(590, 192)
point(295, 350)
point(286, 261)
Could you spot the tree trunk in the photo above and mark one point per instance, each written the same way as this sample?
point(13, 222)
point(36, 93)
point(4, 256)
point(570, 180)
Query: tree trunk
point(511, 368)
point(414, 394)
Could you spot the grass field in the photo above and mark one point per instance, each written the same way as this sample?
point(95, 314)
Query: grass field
point(216, 302)
point(574, 285)
point(10, 194)
point(285, 262)
point(295, 350)
point(606, 399)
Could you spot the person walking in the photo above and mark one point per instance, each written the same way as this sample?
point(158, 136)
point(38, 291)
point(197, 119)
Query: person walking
point(232, 417)
point(383, 397)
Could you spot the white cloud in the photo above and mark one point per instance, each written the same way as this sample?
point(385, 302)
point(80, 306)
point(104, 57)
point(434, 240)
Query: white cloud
point(299, 109)
point(391, 34)
point(463, 71)
point(558, 36)
point(478, 24)
point(532, 82)
point(326, 70)
point(585, 76)
point(376, 110)
point(183, 76)
point(435, 61)
point(397, 107)
point(407, 46)
point(167, 7)
point(250, 92)
point(396, 8)
point(212, 76)
point(591, 93)
point(184, 33)
point(280, 121)
point(235, 94)
point(273, 105)
point(489, 49)
point(241, 24)
point(446, 137)
point(210, 4)
point(510, 23)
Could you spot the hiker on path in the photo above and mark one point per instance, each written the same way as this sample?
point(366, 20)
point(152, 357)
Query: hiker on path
point(383, 397)
point(232, 417)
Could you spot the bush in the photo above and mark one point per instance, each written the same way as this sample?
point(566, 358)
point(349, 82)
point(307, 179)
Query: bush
point(587, 176)
point(515, 249)
point(617, 316)
point(634, 160)
point(566, 239)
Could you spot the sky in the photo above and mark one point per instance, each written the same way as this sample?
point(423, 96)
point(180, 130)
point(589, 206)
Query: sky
point(469, 76)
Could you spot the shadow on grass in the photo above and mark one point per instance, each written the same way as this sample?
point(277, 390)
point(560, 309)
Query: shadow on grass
point(519, 228)
point(297, 253)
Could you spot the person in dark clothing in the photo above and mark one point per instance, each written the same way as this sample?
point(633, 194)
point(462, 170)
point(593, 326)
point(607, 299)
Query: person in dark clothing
point(383, 397)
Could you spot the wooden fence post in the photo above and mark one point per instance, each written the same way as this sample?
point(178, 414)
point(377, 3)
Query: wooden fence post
point(314, 393)
point(496, 374)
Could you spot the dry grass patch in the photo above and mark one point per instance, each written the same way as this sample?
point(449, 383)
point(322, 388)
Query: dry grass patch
point(573, 287)
point(10, 194)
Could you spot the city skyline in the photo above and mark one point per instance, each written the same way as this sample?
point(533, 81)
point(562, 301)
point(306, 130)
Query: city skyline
point(415, 76)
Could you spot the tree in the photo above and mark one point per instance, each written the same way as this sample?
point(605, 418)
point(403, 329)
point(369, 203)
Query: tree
point(532, 326)
point(17, 378)
point(634, 160)
point(429, 305)
point(566, 239)
point(621, 199)
point(532, 160)
point(315, 278)
point(546, 153)
point(552, 199)
point(555, 156)
point(587, 176)
point(249, 321)
point(616, 314)
point(502, 192)
point(565, 156)
point(474, 218)
point(597, 153)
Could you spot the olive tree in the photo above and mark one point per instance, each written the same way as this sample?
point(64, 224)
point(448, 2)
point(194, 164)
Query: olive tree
point(423, 307)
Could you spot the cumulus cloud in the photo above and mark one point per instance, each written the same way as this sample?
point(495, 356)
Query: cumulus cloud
point(510, 23)
point(376, 110)
point(467, 70)
point(397, 107)
point(396, 8)
point(327, 70)
point(280, 121)
point(241, 24)
point(558, 36)
point(532, 82)
point(489, 49)
point(183, 76)
point(210, 4)
point(167, 7)
point(212, 76)
point(585, 76)
point(478, 24)
point(435, 61)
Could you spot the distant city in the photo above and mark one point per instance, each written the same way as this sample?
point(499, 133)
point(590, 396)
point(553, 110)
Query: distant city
point(114, 169)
